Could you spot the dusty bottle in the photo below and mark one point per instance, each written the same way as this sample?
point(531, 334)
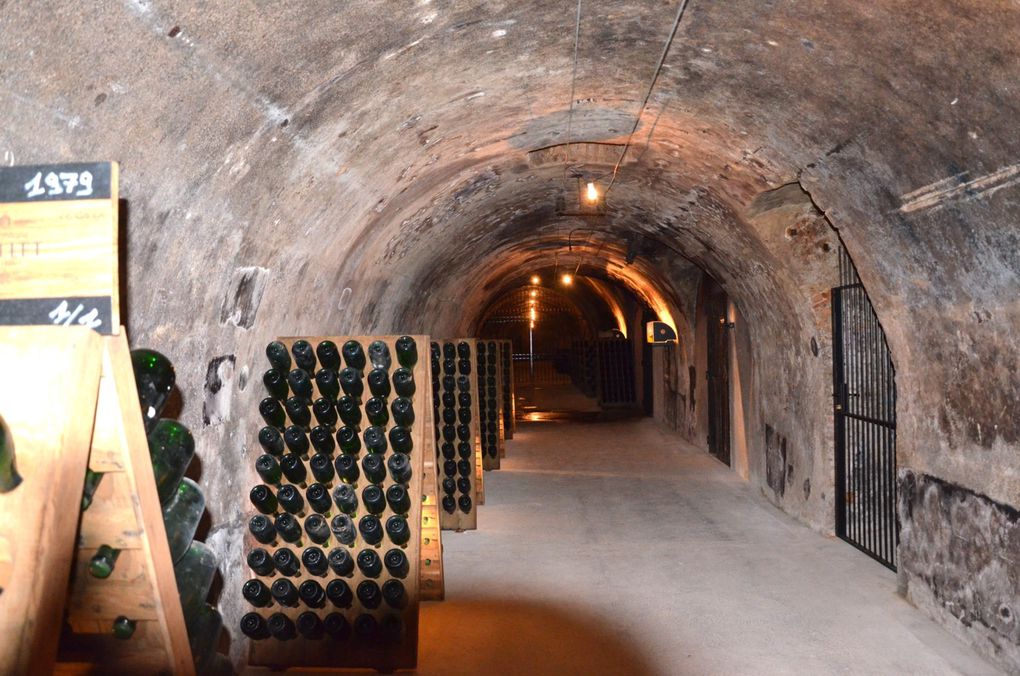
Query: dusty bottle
point(272, 412)
point(261, 562)
point(92, 480)
point(262, 529)
point(339, 594)
point(304, 356)
point(399, 466)
point(396, 563)
point(312, 594)
point(340, 562)
point(293, 469)
point(379, 383)
point(285, 593)
point(290, 499)
point(329, 354)
point(343, 530)
point(286, 562)
point(346, 499)
point(369, 595)
point(354, 355)
point(204, 625)
point(181, 516)
point(318, 497)
point(348, 440)
point(379, 355)
point(321, 439)
point(300, 383)
point(256, 593)
point(394, 594)
point(369, 563)
point(403, 382)
point(281, 627)
point(103, 561)
point(298, 412)
point(398, 499)
point(328, 381)
point(262, 498)
point(254, 626)
point(154, 380)
point(271, 440)
point(375, 439)
point(194, 573)
point(288, 528)
point(308, 623)
point(314, 561)
point(400, 439)
point(171, 448)
point(275, 383)
point(268, 469)
point(398, 530)
point(278, 356)
point(325, 413)
point(373, 499)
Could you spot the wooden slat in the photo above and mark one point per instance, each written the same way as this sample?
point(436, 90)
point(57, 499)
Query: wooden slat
point(128, 591)
point(49, 404)
point(433, 584)
point(110, 520)
point(94, 650)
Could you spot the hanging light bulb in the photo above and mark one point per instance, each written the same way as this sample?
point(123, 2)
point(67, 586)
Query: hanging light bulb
point(568, 279)
point(535, 279)
point(534, 293)
point(592, 193)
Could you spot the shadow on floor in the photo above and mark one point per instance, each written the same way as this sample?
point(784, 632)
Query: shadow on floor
point(501, 636)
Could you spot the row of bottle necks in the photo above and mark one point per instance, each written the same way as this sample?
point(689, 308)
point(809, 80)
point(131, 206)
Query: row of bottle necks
point(488, 353)
point(334, 626)
point(452, 415)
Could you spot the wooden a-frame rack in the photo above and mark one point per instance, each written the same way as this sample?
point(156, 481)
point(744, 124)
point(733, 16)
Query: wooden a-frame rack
point(70, 401)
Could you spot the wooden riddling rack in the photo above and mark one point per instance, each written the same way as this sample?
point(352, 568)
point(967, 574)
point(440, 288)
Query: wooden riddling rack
point(506, 357)
point(355, 651)
point(490, 397)
point(76, 405)
point(433, 584)
point(616, 372)
point(448, 380)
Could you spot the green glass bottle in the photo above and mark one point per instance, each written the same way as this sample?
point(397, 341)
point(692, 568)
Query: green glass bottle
point(154, 379)
point(102, 562)
point(204, 626)
point(181, 516)
point(92, 480)
point(171, 448)
point(194, 573)
point(123, 628)
point(9, 477)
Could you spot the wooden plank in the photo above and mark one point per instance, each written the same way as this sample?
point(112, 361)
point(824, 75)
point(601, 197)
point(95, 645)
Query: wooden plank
point(302, 652)
point(479, 473)
point(50, 414)
point(110, 520)
point(94, 650)
point(128, 591)
point(124, 414)
point(460, 520)
point(433, 583)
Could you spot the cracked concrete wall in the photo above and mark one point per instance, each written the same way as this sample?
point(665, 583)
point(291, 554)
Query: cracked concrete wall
point(312, 168)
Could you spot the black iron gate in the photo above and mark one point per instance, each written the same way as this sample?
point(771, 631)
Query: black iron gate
point(864, 403)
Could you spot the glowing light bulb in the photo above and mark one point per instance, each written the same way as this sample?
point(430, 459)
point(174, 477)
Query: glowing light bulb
point(534, 293)
point(534, 315)
point(535, 279)
point(568, 279)
point(593, 193)
point(532, 324)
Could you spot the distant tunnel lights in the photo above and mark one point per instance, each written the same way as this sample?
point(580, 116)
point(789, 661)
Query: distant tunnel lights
point(592, 193)
point(535, 279)
point(568, 279)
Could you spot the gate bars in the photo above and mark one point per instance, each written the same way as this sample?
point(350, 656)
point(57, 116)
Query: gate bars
point(864, 406)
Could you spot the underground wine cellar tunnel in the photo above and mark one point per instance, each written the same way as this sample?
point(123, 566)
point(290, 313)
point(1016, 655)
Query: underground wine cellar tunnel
point(363, 170)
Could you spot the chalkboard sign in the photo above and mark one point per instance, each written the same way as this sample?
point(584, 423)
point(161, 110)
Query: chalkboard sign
point(58, 245)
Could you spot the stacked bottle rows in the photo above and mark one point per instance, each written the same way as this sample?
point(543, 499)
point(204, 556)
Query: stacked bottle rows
point(171, 448)
point(583, 366)
point(616, 372)
point(489, 406)
point(506, 358)
point(452, 401)
point(337, 523)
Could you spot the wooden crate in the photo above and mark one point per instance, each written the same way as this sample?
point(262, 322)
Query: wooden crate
point(302, 652)
point(458, 520)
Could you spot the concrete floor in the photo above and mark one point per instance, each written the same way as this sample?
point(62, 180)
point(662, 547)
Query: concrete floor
point(615, 548)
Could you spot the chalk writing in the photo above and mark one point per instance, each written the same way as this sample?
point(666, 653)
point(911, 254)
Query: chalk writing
point(62, 315)
point(76, 183)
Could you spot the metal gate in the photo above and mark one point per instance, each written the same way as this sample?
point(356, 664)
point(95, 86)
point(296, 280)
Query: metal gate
point(864, 403)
